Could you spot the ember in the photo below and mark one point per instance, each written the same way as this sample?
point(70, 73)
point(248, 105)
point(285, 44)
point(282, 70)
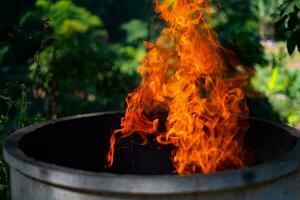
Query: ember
point(189, 97)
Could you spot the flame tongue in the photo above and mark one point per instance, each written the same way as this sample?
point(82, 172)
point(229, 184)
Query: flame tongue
point(187, 97)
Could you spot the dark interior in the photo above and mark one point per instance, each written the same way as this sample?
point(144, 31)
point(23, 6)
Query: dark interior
point(83, 143)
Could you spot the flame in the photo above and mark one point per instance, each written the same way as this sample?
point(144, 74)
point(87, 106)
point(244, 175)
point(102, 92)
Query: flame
point(188, 97)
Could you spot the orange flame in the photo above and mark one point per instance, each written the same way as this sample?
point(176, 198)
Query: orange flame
point(188, 97)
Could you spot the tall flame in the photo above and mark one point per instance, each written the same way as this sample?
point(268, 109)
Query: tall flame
point(189, 97)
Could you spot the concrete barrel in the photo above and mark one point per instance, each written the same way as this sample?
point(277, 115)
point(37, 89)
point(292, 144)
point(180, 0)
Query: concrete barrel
point(64, 160)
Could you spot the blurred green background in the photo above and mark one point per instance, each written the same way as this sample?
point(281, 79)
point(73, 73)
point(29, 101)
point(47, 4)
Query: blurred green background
point(63, 57)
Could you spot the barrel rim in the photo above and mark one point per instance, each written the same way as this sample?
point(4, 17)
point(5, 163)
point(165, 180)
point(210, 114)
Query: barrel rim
point(146, 184)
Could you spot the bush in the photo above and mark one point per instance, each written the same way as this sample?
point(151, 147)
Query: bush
point(282, 88)
point(14, 114)
point(237, 26)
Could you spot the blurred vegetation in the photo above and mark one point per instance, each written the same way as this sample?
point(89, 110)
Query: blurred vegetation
point(237, 26)
point(14, 115)
point(265, 10)
point(64, 57)
point(281, 86)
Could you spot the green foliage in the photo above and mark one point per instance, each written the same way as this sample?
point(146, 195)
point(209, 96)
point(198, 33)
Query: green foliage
point(75, 65)
point(265, 9)
point(128, 55)
point(3, 51)
point(238, 29)
point(115, 13)
point(14, 114)
point(69, 21)
point(282, 87)
point(136, 31)
point(289, 15)
point(73, 32)
point(128, 58)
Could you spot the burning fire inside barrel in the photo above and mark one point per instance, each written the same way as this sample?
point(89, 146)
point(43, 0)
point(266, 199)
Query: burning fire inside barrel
point(185, 134)
point(189, 97)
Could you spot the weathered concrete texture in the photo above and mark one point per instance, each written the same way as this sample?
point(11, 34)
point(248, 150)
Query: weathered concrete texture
point(284, 188)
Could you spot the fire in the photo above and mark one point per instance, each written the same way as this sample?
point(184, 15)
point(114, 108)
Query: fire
point(188, 97)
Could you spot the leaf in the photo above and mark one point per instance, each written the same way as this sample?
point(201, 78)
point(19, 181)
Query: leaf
point(273, 79)
point(296, 9)
point(3, 51)
point(282, 19)
point(293, 119)
point(5, 98)
point(297, 33)
point(293, 21)
point(136, 30)
point(291, 44)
